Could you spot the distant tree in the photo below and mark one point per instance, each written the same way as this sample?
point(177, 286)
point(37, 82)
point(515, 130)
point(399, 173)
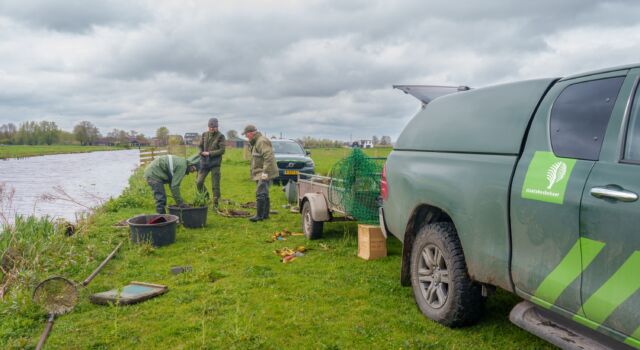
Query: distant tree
point(385, 140)
point(375, 140)
point(8, 133)
point(123, 138)
point(112, 137)
point(120, 137)
point(310, 142)
point(65, 137)
point(30, 133)
point(162, 134)
point(26, 133)
point(176, 140)
point(48, 133)
point(232, 134)
point(86, 133)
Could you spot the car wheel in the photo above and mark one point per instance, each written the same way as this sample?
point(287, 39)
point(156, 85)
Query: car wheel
point(312, 229)
point(442, 288)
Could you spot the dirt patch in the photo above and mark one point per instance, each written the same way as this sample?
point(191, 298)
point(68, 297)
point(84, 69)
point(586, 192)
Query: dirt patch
point(121, 223)
point(233, 213)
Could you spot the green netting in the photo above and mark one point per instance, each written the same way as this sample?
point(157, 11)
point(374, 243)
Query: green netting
point(355, 186)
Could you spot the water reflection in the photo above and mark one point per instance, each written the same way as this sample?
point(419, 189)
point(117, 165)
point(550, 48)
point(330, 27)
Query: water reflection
point(88, 178)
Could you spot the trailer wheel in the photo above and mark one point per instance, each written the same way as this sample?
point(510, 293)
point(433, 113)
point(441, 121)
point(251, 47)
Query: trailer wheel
point(312, 229)
point(442, 288)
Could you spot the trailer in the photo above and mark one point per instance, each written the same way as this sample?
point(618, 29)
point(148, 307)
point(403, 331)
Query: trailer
point(322, 199)
point(315, 207)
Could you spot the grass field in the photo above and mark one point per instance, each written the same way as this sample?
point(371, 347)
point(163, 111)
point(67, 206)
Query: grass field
point(239, 295)
point(22, 151)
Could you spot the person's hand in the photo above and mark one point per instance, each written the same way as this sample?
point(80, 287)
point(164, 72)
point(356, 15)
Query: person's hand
point(264, 176)
point(204, 154)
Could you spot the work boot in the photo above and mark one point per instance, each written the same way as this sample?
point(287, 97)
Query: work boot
point(215, 203)
point(267, 208)
point(259, 211)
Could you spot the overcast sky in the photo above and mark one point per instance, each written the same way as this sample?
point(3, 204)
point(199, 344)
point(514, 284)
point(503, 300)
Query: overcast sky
point(317, 68)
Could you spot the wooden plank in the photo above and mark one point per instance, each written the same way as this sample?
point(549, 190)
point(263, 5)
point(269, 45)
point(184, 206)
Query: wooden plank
point(155, 152)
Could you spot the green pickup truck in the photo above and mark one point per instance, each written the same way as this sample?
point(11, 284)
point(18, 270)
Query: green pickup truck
point(531, 187)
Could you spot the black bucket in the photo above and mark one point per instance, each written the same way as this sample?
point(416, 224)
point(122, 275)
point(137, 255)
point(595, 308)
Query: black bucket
point(191, 217)
point(157, 229)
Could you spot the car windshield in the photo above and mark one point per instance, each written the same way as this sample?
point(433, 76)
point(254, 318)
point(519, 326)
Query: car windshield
point(287, 148)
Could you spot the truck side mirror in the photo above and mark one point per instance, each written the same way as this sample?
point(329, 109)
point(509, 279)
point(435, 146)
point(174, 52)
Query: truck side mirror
point(307, 152)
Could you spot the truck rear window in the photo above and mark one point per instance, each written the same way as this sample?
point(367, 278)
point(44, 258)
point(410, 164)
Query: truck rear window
point(580, 115)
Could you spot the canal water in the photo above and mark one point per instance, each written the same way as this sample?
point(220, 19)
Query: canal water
point(64, 185)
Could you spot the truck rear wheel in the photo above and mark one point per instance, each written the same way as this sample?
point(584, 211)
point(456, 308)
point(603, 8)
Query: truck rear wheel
point(442, 288)
point(312, 229)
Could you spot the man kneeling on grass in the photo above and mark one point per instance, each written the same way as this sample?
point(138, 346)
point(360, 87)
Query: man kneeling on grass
point(171, 170)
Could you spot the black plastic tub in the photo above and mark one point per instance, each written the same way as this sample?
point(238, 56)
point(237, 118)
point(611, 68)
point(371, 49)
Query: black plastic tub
point(157, 229)
point(191, 217)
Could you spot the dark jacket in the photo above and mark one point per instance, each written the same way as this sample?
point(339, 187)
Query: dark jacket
point(212, 142)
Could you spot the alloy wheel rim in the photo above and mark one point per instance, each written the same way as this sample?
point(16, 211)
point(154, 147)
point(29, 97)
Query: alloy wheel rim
point(433, 276)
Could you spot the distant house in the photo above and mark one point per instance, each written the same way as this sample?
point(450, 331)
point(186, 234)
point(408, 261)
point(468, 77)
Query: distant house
point(235, 142)
point(105, 141)
point(134, 142)
point(191, 138)
point(362, 143)
point(155, 142)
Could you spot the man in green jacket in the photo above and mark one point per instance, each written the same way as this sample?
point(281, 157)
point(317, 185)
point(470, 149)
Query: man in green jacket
point(211, 150)
point(170, 170)
point(263, 170)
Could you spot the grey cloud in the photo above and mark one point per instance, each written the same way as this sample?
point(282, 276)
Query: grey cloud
point(321, 68)
point(74, 15)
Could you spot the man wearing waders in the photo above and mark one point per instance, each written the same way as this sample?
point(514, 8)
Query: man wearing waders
point(211, 150)
point(263, 170)
point(170, 170)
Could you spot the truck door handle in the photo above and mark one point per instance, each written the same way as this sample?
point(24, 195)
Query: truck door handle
point(621, 195)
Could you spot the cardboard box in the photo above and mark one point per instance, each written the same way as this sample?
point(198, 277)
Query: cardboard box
point(371, 242)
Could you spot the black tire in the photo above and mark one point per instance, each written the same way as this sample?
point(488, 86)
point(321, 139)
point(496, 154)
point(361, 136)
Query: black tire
point(312, 229)
point(442, 288)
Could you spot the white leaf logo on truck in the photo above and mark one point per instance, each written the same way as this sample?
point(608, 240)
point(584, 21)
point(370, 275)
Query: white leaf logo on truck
point(556, 173)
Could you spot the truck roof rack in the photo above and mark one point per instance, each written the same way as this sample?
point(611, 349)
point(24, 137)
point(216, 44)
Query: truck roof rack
point(427, 93)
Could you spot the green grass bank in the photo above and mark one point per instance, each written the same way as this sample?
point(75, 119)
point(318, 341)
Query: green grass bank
point(239, 295)
point(22, 151)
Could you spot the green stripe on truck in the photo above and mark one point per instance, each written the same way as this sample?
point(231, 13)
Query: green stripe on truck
point(620, 286)
point(567, 271)
point(634, 339)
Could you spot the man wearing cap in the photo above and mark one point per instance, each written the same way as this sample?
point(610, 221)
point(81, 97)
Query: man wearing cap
point(211, 149)
point(171, 170)
point(263, 170)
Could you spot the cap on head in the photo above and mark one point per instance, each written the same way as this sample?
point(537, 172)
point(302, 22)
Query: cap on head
point(194, 161)
point(249, 128)
point(213, 122)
